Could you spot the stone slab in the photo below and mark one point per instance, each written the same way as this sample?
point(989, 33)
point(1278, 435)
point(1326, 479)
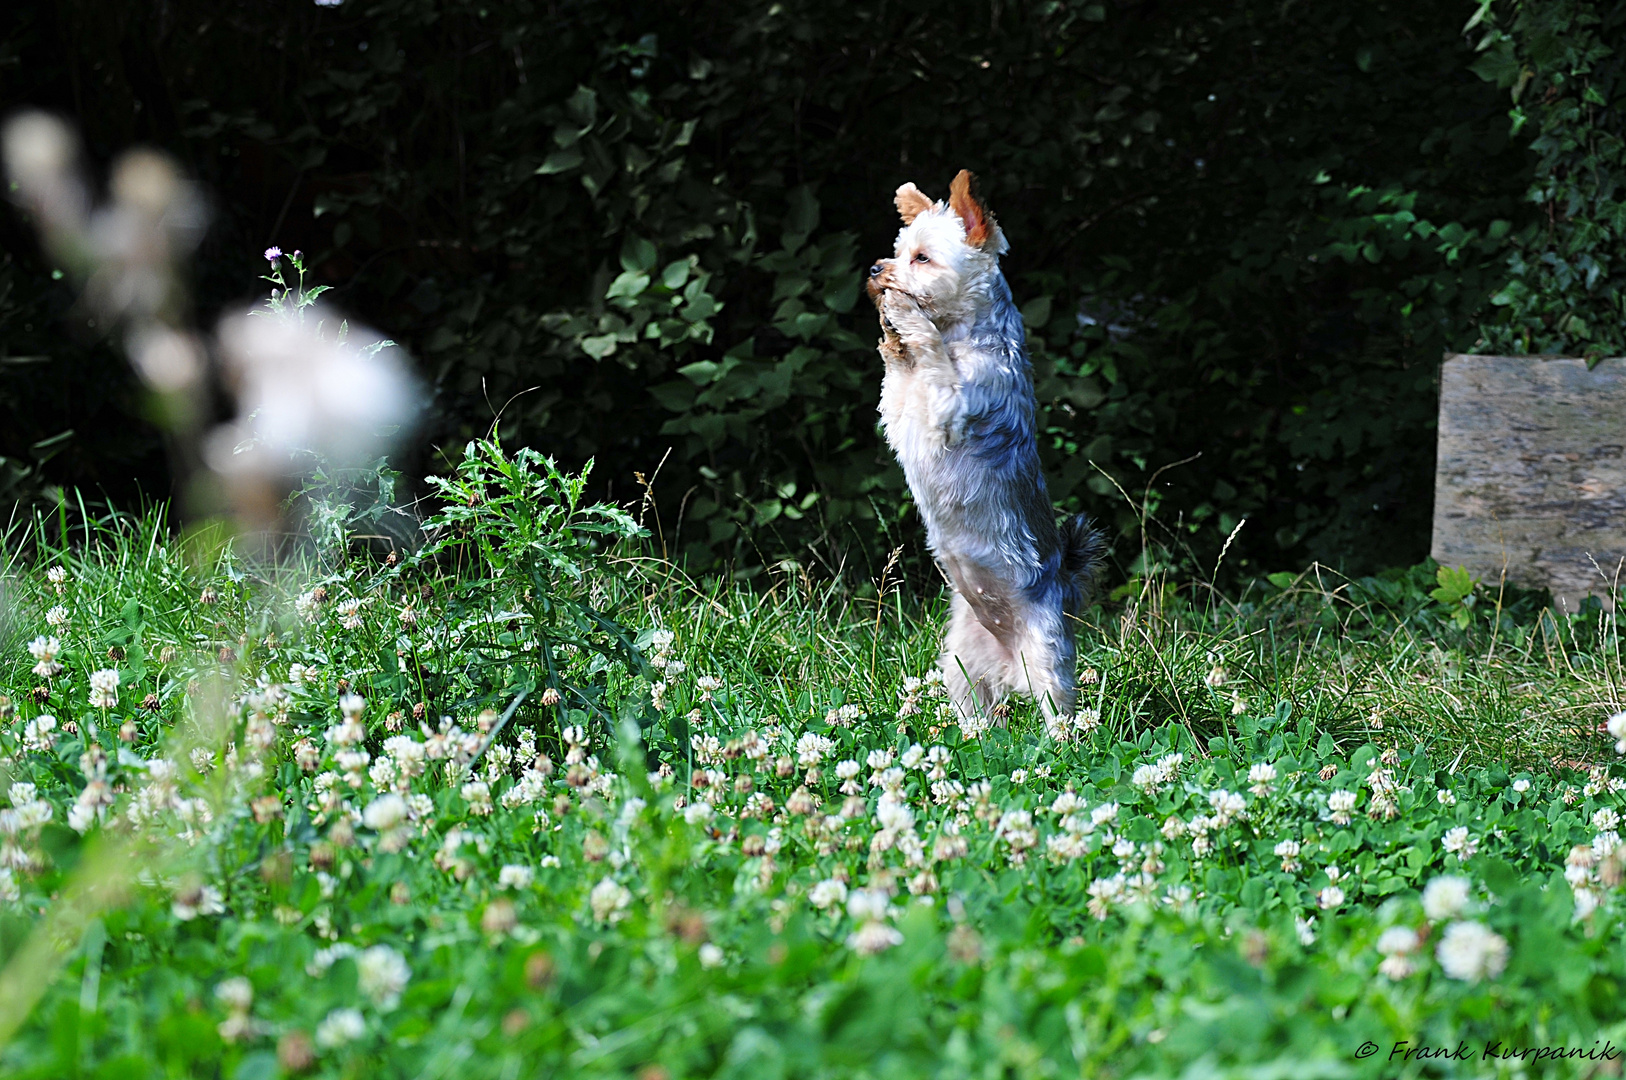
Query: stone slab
point(1531, 472)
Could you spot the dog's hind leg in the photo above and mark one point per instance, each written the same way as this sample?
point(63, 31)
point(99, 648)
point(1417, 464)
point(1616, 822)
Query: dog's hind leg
point(975, 665)
point(1043, 667)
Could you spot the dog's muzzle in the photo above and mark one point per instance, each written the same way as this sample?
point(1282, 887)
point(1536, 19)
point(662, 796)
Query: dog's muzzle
point(880, 277)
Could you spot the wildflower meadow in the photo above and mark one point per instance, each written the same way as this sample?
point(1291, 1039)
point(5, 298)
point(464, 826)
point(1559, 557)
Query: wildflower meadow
point(527, 801)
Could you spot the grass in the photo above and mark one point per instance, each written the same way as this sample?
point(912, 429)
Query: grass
point(1201, 874)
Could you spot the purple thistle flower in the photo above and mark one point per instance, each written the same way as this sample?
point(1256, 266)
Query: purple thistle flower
point(272, 254)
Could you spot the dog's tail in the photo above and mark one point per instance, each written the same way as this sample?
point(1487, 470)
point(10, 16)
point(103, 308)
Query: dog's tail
point(1083, 550)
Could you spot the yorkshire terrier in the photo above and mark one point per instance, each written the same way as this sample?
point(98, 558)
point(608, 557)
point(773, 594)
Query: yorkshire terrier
point(958, 408)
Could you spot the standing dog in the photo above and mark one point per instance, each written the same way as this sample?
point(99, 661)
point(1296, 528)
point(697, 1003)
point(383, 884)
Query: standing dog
point(958, 408)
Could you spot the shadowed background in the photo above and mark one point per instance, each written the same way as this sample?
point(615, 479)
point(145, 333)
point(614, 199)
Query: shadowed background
point(1245, 230)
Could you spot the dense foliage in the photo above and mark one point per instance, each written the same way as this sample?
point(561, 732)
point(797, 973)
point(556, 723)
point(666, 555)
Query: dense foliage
point(1245, 230)
point(435, 816)
point(1562, 62)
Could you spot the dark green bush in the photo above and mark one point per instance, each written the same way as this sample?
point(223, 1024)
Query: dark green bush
point(1239, 229)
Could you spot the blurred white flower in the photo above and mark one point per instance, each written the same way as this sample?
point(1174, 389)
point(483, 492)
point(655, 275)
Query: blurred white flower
point(104, 689)
point(1617, 728)
point(827, 893)
point(1459, 842)
point(609, 901)
point(698, 812)
point(873, 937)
point(1397, 939)
point(1445, 898)
point(868, 904)
point(384, 813)
point(190, 903)
point(44, 650)
point(381, 975)
point(478, 795)
point(308, 383)
point(515, 877)
point(40, 733)
point(339, 1027)
point(711, 956)
point(236, 993)
point(1521, 785)
point(1471, 951)
point(1331, 897)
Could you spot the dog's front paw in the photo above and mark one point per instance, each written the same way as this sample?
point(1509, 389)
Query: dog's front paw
point(905, 315)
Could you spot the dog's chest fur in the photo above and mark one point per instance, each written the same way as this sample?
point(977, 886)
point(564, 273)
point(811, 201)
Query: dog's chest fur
point(967, 446)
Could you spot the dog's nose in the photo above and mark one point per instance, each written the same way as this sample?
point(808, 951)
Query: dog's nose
point(875, 271)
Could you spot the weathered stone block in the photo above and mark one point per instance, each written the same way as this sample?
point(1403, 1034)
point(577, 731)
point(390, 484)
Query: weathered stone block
point(1531, 473)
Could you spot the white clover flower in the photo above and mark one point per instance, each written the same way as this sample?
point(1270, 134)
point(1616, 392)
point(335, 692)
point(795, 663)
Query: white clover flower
point(1445, 898)
point(1104, 814)
point(515, 877)
point(236, 993)
point(478, 795)
point(205, 900)
point(893, 815)
point(1617, 728)
point(351, 705)
point(913, 756)
point(873, 937)
point(1606, 820)
point(811, 748)
point(1227, 804)
point(1019, 776)
point(104, 689)
point(1396, 967)
point(1398, 939)
point(44, 650)
point(846, 770)
point(1331, 897)
point(865, 904)
point(711, 956)
point(57, 575)
point(1445, 797)
point(384, 813)
point(381, 975)
point(1471, 951)
point(1305, 928)
point(1066, 803)
point(828, 893)
point(1087, 720)
point(339, 1027)
point(1521, 785)
point(81, 816)
point(57, 617)
point(1262, 773)
point(698, 812)
point(1459, 842)
point(609, 901)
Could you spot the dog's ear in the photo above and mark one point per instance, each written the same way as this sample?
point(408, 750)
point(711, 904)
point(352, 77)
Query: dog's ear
point(911, 202)
point(979, 224)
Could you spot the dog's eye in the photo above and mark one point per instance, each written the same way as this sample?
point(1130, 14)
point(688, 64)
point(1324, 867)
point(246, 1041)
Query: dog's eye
point(923, 257)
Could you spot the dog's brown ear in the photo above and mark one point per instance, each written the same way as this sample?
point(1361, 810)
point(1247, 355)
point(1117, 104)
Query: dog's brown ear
point(911, 202)
point(979, 225)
